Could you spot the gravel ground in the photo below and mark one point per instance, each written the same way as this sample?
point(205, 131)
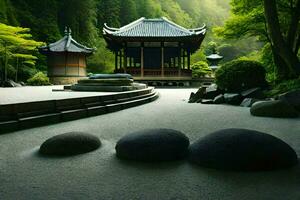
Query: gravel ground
point(40, 93)
point(100, 175)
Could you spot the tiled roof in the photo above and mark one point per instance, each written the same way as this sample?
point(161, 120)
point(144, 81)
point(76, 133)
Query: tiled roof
point(161, 27)
point(67, 44)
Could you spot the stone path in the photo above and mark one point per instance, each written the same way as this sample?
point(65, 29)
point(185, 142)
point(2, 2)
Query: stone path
point(100, 175)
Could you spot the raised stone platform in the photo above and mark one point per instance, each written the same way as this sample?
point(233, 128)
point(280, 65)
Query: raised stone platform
point(108, 83)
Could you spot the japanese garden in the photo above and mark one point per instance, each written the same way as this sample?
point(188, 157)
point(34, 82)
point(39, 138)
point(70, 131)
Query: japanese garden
point(149, 99)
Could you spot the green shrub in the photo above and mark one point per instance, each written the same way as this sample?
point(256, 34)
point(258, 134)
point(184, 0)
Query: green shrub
point(38, 79)
point(200, 69)
point(284, 87)
point(239, 75)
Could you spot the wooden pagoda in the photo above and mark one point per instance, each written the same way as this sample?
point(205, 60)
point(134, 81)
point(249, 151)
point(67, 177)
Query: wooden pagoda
point(66, 59)
point(153, 48)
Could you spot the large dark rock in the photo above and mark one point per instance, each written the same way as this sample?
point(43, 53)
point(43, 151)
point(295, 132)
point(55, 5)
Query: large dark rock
point(232, 98)
point(219, 99)
point(242, 150)
point(153, 145)
point(254, 93)
point(293, 98)
point(196, 97)
point(10, 83)
point(211, 92)
point(70, 144)
point(248, 102)
point(207, 101)
point(276, 108)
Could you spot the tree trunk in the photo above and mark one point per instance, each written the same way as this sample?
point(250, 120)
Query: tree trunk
point(5, 63)
point(280, 47)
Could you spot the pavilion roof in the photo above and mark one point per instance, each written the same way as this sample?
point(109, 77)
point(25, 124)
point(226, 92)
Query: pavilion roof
point(214, 56)
point(67, 44)
point(153, 28)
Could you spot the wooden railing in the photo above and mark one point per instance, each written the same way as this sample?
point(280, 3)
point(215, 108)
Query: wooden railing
point(168, 72)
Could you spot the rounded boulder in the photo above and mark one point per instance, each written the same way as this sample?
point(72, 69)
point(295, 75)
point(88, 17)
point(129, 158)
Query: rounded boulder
point(276, 108)
point(242, 150)
point(72, 143)
point(153, 145)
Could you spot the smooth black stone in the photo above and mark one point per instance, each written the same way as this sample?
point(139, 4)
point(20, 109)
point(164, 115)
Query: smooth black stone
point(219, 99)
point(232, 98)
point(110, 76)
point(276, 108)
point(293, 98)
point(242, 150)
point(72, 143)
point(153, 145)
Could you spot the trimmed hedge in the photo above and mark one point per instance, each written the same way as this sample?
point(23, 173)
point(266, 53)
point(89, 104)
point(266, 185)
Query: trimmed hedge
point(39, 79)
point(239, 75)
point(200, 69)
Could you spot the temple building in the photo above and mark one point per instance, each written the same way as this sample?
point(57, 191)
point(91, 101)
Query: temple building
point(153, 48)
point(66, 60)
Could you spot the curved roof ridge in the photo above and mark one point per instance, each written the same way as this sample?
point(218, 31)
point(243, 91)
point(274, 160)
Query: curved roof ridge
point(132, 24)
point(181, 28)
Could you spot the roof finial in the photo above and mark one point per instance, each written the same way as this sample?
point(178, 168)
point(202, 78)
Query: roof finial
point(70, 31)
point(66, 30)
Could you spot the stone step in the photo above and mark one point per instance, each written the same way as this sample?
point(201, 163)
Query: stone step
point(65, 111)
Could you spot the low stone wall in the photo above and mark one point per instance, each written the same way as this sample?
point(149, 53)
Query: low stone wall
point(65, 80)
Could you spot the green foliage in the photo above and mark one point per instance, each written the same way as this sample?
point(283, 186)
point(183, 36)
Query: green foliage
point(248, 19)
point(200, 69)
point(16, 44)
point(102, 61)
point(38, 79)
point(285, 86)
point(48, 18)
point(239, 75)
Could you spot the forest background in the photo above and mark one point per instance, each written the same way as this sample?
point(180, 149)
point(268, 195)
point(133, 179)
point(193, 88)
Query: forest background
point(237, 29)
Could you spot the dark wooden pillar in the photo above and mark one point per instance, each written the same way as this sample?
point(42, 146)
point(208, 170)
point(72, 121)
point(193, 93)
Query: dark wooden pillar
point(162, 60)
point(142, 60)
point(125, 59)
point(179, 62)
point(120, 57)
point(189, 59)
point(116, 60)
point(184, 58)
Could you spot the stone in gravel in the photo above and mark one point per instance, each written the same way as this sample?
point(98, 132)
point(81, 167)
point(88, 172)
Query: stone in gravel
point(232, 98)
point(248, 102)
point(293, 98)
point(153, 145)
point(207, 101)
point(219, 99)
point(72, 143)
point(255, 93)
point(276, 108)
point(242, 150)
point(211, 92)
point(198, 95)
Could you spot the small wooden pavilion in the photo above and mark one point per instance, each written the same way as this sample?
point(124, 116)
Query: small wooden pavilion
point(66, 59)
point(153, 48)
